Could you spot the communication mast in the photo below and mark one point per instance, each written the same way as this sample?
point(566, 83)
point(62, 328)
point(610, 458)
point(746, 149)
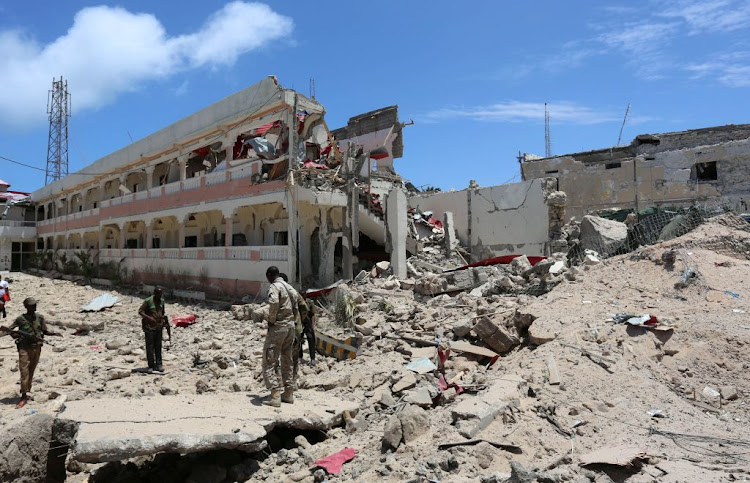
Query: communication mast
point(58, 108)
point(547, 142)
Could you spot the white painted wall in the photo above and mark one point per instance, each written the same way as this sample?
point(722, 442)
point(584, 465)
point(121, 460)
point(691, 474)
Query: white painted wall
point(504, 219)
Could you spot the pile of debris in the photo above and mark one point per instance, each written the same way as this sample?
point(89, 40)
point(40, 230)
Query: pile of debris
point(608, 374)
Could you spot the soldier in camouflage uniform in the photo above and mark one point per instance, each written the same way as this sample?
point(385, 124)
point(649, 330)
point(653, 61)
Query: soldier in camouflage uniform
point(283, 302)
point(152, 320)
point(29, 335)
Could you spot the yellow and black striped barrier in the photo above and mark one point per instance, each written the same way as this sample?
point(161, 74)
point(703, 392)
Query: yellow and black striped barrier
point(340, 349)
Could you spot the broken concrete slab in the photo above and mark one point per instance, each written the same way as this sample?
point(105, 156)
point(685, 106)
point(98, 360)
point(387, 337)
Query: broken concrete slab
point(414, 423)
point(493, 332)
point(603, 235)
point(116, 429)
point(408, 381)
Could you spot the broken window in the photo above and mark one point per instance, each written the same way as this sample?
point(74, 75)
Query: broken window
point(554, 171)
point(613, 165)
point(190, 242)
point(704, 171)
point(280, 238)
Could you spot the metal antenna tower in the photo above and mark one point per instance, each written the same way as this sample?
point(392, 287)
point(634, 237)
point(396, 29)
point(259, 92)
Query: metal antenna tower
point(547, 142)
point(58, 108)
point(619, 138)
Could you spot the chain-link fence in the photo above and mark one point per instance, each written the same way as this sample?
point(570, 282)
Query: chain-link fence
point(650, 226)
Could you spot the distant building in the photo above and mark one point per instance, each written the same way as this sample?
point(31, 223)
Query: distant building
point(17, 229)
point(672, 169)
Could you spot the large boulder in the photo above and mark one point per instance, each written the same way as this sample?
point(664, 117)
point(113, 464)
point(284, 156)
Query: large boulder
point(602, 235)
point(414, 423)
point(25, 444)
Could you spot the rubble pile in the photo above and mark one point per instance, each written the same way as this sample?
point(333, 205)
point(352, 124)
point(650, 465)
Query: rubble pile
point(631, 368)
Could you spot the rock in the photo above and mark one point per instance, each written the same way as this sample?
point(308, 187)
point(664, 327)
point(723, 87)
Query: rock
point(519, 265)
point(519, 473)
point(386, 399)
point(408, 381)
point(319, 475)
point(485, 454)
point(414, 423)
point(728, 392)
point(168, 390)
point(494, 334)
point(419, 396)
point(449, 394)
point(302, 442)
point(116, 344)
point(115, 374)
point(201, 386)
point(557, 267)
point(463, 328)
point(25, 443)
point(591, 260)
point(391, 285)
point(450, 463)
point(392, 433)
point(382, 267)
point(603, 235)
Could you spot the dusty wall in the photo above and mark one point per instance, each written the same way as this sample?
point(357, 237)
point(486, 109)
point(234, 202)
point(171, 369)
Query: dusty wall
point(497, 220)
point(659, 175)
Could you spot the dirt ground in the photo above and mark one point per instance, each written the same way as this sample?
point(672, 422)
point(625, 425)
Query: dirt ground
point(603, 399)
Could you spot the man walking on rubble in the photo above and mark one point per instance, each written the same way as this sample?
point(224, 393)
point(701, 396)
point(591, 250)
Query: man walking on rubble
point(29, 335)
point(283, 312)
point(303, 330)
point(153, 319)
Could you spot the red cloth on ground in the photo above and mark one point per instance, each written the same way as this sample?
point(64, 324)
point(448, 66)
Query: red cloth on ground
point(332, 464)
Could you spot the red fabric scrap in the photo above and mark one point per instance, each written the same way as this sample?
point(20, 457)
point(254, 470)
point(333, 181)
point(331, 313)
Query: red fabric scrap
point(652, 321)
point(202, 151)
point(332, 464)
point(443, 386)
point(313, 164)
point(435, 223)
point(183, 320)
point(503, 259)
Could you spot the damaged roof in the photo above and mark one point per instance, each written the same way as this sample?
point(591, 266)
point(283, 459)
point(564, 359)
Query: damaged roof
point(374, 121)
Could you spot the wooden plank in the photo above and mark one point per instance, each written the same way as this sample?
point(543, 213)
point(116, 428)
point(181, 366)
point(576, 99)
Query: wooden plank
point(472, 349)
point(554, 375)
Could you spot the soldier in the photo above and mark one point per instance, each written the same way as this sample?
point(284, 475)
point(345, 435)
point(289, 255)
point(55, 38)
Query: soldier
point(29, 335)
point(153, 319)
point(282, 315)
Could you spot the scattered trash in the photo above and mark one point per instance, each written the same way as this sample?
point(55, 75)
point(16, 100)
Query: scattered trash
point(578, 422)
point(101, 302)
point(622, 455)
point(656, 413)
point(96, 347)
point(738, 311)
point(333, 463)
point(423, 365)
point(644, 319)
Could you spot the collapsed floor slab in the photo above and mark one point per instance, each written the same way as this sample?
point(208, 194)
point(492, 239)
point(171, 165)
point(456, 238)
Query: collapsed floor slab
point(117, 429)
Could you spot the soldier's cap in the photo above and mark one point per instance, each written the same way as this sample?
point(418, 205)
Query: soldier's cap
point(28, 301)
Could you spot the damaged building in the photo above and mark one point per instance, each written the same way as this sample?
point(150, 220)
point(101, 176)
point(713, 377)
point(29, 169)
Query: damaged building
point(673, 169)
point(17, 229)
point(257, 179)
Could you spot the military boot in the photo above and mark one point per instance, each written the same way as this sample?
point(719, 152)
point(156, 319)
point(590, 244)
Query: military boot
point(274, 400)
point(288, 396)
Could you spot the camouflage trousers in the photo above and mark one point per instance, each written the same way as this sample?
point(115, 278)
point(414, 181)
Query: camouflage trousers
point(277, 351)
point(28, 358)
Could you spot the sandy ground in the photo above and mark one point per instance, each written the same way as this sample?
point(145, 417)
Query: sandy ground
point(595, 405)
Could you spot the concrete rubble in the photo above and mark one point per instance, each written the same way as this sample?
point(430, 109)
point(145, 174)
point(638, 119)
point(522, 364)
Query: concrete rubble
point(525, 353)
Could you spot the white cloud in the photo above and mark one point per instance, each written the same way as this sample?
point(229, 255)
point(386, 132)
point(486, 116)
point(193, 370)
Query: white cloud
point(710, 15)
point(731, 69)
point(519, 111)
point(109, 50)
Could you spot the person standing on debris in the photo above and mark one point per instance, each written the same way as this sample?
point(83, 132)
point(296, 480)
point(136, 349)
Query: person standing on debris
point(30, 329)
point(4, 295)
point(283, 312)
point(303, 329)
point(153, 318)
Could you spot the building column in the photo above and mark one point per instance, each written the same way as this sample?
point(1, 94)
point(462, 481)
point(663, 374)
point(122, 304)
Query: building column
point(149, 177)
point(396, 213)
point(101, 238)
point(228, 231)
point(181, 234)
point(292, 231)
point(327, 244)
point(149, 234)
point(182, 163)
point(123, 228)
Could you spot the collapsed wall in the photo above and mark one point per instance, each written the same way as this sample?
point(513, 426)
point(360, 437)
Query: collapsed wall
point(499, 220)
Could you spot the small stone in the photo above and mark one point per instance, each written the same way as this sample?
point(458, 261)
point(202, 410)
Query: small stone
point(386, 399)
point(407, 382)
point(302, 442)
point(728, 392)
point(319, 475)
point(392, 432)
point(167, 390)
point(201, 386)
point(449, 394)
point(414, 423)
point(449, 464)
point(118, 374)
point(419, 396)
point(116, 344)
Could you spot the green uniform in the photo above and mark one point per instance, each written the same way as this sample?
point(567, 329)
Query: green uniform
point(29, 349)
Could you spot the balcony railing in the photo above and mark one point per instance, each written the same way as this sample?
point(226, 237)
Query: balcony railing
point(276, 253)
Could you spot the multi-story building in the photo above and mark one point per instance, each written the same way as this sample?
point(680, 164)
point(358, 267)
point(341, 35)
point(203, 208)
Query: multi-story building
point(17, 229)
point(211, 198)
point(670, 170)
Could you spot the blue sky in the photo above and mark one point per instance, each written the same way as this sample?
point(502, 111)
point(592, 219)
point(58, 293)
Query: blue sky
point(474, 79)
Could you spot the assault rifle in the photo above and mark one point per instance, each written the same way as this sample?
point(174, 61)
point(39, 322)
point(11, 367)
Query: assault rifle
point(21, 334)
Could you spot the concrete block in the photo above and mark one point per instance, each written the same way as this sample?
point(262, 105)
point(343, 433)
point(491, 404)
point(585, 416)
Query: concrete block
point(495, 335)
